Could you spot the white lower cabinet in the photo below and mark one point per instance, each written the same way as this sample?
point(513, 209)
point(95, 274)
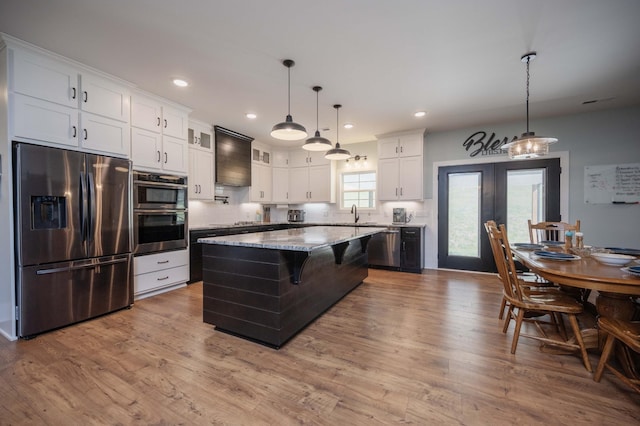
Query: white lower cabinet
point(160, 272)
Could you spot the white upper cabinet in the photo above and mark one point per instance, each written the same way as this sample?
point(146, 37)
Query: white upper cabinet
point(200, 175)
point(261, 183)
point(146, 113)
point(400, 167)
point(151, 114)
point(45, 78)
point(175, 122)
point(280, 158)
point(158, 135)
point(200, 136)
point(55, 101)
point(260, 153)
point(280, 187)
point(301, 158)
point(104, 97)
point(401, 146)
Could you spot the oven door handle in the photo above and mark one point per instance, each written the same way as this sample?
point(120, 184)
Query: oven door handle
point(160, 211)
point(159, 184)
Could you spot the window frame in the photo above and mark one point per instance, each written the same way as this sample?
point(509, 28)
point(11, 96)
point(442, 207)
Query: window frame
point(375, 190)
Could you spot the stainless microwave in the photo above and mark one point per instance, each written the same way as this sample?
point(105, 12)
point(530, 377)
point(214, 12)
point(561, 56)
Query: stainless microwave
point(159, 191)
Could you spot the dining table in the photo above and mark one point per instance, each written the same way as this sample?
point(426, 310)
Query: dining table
point(617, 288)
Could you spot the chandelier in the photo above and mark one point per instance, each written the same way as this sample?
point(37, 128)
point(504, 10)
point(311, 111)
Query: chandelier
point(528, 145)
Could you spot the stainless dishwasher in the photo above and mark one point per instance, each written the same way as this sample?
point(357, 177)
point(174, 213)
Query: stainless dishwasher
point(384, 248)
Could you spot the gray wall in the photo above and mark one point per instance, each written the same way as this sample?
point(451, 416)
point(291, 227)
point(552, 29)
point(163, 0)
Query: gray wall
point(593, 138)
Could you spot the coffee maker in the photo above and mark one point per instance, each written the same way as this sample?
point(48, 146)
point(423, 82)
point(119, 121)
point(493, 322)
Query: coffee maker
point(295, 215)
point(399, 215)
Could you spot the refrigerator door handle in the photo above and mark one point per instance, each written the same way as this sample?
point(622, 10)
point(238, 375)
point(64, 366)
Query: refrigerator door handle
point(78, 267)
point(83, 207)
point(91, 226)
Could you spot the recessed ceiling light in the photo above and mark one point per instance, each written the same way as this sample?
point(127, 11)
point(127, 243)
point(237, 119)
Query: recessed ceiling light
point(348, 126)
point(419, 114)
point(250, 115)
point(180, 83)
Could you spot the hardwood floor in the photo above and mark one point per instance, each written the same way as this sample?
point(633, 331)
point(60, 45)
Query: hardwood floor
point(400, 348)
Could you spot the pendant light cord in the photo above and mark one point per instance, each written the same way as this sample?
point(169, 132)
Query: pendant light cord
point(289, 90)
point(528, 60)
point(317, 106)
point(337, 126)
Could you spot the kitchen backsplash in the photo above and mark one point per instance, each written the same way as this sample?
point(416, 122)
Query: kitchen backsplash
point(203, 214)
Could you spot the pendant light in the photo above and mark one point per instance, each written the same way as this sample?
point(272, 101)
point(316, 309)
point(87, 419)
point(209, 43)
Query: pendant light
point(337, 153)
point(317, 142)
point(289, 130)
point(528, 145)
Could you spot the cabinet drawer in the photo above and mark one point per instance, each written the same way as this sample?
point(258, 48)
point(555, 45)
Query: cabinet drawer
point(160, 261)
point(159, 279)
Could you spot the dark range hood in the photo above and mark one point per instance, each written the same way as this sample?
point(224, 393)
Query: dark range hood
point(233, 157)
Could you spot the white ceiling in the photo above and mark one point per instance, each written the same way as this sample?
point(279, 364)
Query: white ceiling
point(382, 60)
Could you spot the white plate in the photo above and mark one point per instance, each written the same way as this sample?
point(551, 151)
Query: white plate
point(628, 271)
point(612, 259)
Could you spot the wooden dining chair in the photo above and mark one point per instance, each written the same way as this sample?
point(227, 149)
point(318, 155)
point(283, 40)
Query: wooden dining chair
point(535, 286)
point(625, 332)
point(524, 306)
point(550, 231)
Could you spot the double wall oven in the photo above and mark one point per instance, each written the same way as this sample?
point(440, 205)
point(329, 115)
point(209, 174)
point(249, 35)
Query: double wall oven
point(159, 212)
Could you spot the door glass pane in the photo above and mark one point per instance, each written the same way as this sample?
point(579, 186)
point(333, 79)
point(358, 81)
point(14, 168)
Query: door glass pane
point(464, 214)
point(525, 200)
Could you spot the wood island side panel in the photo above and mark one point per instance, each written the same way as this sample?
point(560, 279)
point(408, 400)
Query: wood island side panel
point(248, 291)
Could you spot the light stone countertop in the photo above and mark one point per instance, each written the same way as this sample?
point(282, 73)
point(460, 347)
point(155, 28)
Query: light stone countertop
point(299, 239)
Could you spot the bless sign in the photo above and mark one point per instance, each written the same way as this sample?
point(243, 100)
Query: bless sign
point(479, 143)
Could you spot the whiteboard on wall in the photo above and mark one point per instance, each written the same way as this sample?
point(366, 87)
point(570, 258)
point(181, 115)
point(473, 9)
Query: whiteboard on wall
point(612, 183)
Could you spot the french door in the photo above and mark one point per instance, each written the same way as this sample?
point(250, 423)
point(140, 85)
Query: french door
point(508, 192)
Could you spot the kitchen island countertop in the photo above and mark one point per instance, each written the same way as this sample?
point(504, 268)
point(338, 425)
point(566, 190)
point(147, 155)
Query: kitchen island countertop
point(298, 239)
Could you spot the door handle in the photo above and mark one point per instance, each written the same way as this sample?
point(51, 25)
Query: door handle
point(75, 131)
point(158, 156)
point(73, 96)
point(158, 121)
point(86, 134)
point(78, 267)
point(91, 225)
point(166, 158)
point(86, 96)
point(165, 123)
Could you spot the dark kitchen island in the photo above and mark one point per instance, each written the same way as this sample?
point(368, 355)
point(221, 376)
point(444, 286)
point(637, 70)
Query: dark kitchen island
point(267, 286)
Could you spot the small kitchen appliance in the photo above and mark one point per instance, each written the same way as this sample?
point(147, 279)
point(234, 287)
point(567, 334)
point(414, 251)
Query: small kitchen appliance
point(399, 215)
point(295, 215)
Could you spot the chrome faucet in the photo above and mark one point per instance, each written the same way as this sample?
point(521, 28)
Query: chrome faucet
point(354, 210)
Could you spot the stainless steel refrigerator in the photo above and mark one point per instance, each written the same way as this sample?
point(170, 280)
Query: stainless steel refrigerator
point(72, 232)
